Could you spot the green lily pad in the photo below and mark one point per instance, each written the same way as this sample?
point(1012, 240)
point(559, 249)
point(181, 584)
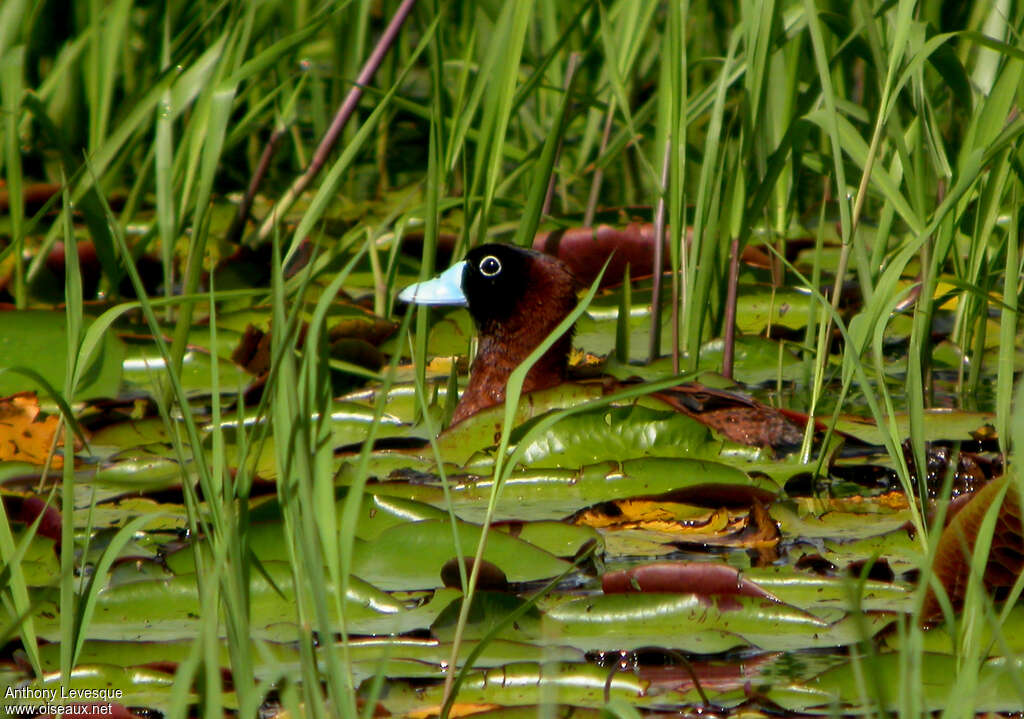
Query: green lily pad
point(997, 687)
point(698, 624)
point(392, 552)
point(40, 564)
point(761, 306)
point(411, 555)
point(137, 686)
point(483, 429)
point(1009, 636)
point(939, 424)
point(620, 433)
point(530, 683)
point(756, 360)
point(813, 518)
point(557, 493)
point(37, 340)
point(450, 335)
point(814, 593)
point(144, 367)
point(168, 609)
point(139, 471)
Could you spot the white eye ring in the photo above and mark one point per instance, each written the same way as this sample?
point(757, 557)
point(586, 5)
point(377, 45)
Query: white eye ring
point(490, 266)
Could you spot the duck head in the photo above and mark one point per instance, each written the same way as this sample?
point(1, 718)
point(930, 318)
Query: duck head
point(516, 298)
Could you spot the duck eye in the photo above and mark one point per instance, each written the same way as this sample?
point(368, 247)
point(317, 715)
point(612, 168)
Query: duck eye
point(490, 266)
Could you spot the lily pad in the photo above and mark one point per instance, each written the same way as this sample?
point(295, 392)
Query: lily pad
point(37, 340)
point(168, 609)
point(842, 687)
point(557, 493)
point(939, 424)
point(620, 433)
point(698, 624)
point(411, 555)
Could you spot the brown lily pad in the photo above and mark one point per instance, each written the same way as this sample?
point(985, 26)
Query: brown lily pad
point(959, 540)
point(692, 577)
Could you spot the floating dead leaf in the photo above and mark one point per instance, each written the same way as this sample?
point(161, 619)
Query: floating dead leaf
point(366, 327)
point(755, 426)
point(253, 351)
point(733, 416)
point(860, 504)
point(685, 521)
point(353, 339)
point(585, 364)
point(25, 435)
point(359, 352)
point(675, 523)
point(985, 432)
point(957, 543)
point(762, 535)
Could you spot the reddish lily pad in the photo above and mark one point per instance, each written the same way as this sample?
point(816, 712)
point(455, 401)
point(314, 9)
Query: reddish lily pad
point(683, 577)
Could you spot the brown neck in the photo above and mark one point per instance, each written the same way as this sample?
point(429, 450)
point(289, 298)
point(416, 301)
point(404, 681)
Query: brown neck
point(500, 353)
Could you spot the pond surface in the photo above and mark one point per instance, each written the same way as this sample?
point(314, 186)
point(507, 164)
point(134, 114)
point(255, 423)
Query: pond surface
point(635, 551)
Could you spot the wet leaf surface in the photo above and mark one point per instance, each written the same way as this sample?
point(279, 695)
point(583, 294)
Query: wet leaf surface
point(37, 341)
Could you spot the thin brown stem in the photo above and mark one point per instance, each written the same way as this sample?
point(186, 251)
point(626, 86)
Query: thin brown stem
point(234, 233)
point(730, 308)
point(570, 71)
point(595, 186)
point(341, 118)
